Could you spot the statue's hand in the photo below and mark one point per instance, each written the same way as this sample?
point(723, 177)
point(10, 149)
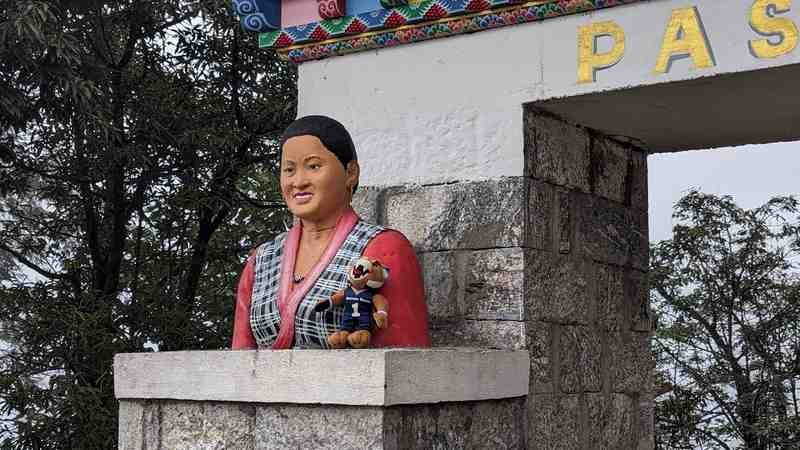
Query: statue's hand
point(322, 306)
point(381, 319)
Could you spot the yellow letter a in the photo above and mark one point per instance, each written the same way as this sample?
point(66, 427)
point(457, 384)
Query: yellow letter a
point(589, 61)
point(684, 36)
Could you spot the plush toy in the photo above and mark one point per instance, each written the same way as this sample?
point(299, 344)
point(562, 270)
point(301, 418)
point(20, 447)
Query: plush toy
point(363, 307)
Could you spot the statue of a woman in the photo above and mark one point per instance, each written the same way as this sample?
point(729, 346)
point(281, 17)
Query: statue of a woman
point(284, 279)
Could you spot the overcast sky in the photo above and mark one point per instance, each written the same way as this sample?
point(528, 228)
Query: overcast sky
point(751, 174)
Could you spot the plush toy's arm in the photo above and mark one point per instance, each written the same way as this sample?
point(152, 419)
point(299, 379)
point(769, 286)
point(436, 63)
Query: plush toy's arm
point(381, 310)
point(336, 299)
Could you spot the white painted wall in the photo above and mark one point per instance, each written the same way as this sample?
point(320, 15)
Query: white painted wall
point(451, 109)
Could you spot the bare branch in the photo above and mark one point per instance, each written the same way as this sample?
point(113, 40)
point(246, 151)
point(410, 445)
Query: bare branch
point(33, 266)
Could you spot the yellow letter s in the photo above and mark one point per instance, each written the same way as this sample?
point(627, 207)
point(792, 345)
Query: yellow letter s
point(764, 22)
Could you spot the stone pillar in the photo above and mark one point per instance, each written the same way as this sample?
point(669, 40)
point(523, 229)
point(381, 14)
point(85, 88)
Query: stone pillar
point(555, 262)
point(586, 288)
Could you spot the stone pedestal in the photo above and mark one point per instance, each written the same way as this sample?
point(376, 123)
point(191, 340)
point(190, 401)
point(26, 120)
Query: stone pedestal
point(343, 399)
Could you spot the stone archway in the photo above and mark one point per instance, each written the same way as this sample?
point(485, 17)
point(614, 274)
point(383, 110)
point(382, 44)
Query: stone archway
point(515, 161)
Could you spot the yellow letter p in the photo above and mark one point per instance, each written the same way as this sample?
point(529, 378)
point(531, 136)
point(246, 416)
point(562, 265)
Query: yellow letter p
point(589, 60)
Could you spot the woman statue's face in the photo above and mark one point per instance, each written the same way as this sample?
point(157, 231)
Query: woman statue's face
point(314, 184)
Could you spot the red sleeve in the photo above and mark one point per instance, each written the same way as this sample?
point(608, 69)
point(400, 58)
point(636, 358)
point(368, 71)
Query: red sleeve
point(242, 333)
point(404, 292)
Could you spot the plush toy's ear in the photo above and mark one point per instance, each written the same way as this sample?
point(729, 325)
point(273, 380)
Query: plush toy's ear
point(375, 284)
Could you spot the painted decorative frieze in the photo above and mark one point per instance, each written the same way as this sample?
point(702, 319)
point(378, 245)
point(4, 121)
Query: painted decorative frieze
point(346, 26)
point(331, 9)
point(258, 15)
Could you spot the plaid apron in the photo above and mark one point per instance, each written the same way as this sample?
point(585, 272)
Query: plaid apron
point(311, 328)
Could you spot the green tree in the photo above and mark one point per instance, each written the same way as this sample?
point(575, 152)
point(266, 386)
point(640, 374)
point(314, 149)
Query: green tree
point(137, 168)
point(727, 293)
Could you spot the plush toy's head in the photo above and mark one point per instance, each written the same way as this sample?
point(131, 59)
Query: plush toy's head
point(366, 273)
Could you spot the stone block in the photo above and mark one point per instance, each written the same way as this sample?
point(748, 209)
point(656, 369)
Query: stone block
point(182, 425)
point(640, 240)
point(637, 301)
point(610, 422)
point(475, 215)
point(610, 297)
point(230, 425)
point(609, 168)
point(554, 422)
point(443, 275)
point(131, 413)
point(611, 233)
point(139, 427)
point(579, 353)
point(494, 284)
point(541, 348)
point(637, 180)
point(556, 151)
point(379, 376)
point(323, 427)
point(500, 334)
point(565, 229)
point(646, 425)
point(195, 425)
point(480, 284)
point(631, 361)
point(558, 288)
point(465, 425)
point(541, 207)
point(367, 203)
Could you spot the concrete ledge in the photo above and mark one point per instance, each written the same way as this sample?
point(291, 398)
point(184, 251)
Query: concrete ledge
point(374, 377)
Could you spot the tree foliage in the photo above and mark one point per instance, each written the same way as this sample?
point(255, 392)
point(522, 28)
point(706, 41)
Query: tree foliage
point(727, 292)
point(137, 168)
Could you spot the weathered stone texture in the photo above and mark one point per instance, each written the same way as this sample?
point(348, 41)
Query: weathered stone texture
point(556, 151)
point(463, 425)
point(610, 422)
point(579, 357)
point(554, 422)
point(565, 231)
point(138, 425)
point(366, 203)
point(476, 215)
point(540, 347)
point(623, 300)
point(586, 287)
point(541, 206)
point(637, 300)
point(610, 297)
point(324, 427)
point(646, 425)
point(197, 425)
point(494, 284)
point(558, 288)
point(611, 233)
point(631, 362)
point(609, 170)
point(131, 415)
point(443, 274)
point(481, 284)
point(204, 426)
point(637, 184)
point(502, 334)
point(497, 424)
